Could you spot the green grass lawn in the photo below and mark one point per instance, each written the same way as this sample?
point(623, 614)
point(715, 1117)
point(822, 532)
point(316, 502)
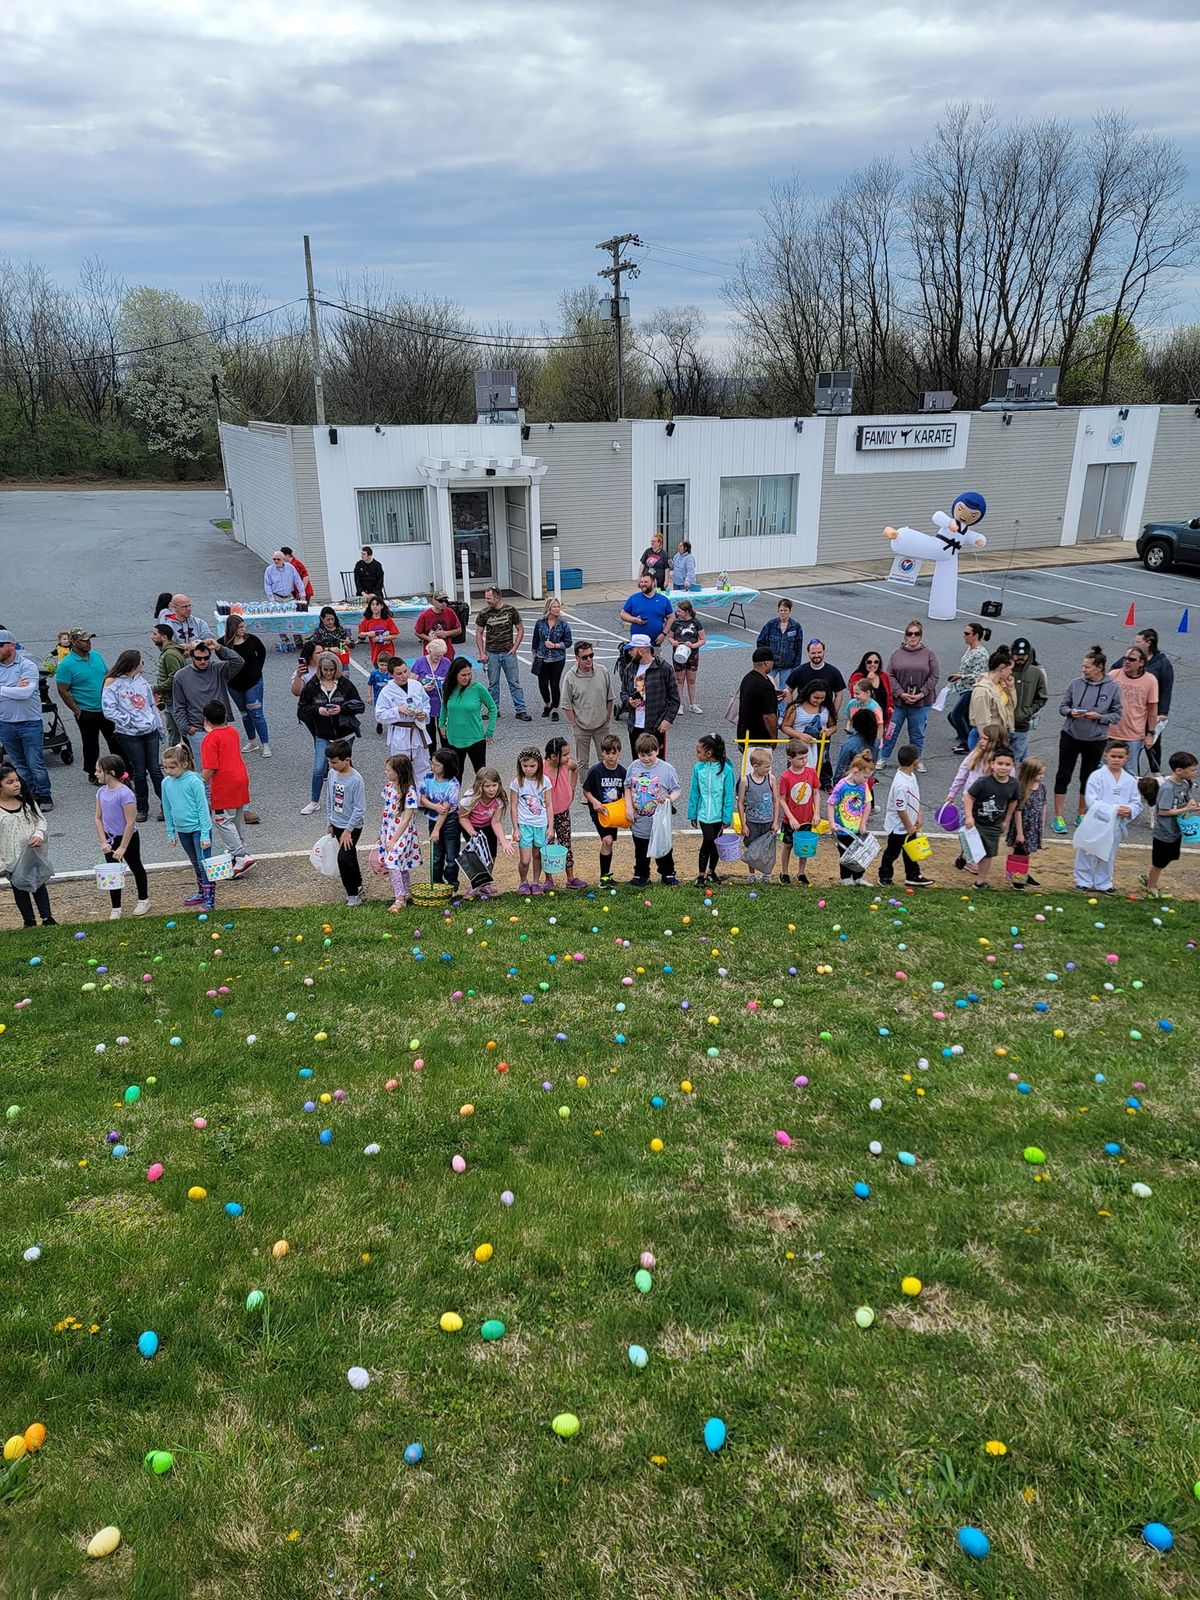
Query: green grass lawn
point(1057, 1314)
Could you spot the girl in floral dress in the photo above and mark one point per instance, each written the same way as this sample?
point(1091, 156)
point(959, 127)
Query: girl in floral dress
point(399, 843)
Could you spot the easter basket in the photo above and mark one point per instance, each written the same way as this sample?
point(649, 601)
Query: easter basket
point(949, 817)
point(804, 842)
point(110, 874)
point(918, 848)
point(614, 814)
point(554, 858)
point(1189, 828)
point(729, 847)
point(862, 852)
point(475, 858)
point(432, 894)
point(217, 869)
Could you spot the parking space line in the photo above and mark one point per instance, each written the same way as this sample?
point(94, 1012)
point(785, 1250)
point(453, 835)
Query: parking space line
point(828, 611)
point(1040, 598)
point(1143, 594)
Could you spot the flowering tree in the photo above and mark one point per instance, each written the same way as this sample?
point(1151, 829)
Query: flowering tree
point(169, 388)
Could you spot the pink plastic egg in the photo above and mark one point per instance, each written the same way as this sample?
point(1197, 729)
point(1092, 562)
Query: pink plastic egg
point(418, 1063)
point(458, 1164)
point(147, 977)
point(339, 1094)
point(781, 1137)
point(648, 1261)
point(154, 1172)
point(1112, 960)
point(939, 1016)
point(801, 1082)
point(903, 976)
point(391, 1085)
point(200, 1122)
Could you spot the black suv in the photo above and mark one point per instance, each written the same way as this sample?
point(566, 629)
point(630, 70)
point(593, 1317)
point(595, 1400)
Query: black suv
point(1162, 544)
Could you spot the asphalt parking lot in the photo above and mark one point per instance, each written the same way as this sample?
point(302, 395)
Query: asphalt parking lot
point(100, 558)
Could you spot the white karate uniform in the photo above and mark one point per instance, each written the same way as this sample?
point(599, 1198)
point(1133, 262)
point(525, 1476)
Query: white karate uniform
point(1091, 872)
point(404, 712)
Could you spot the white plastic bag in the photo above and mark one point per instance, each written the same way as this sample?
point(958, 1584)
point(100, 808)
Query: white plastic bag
point(323, 855)
point(660, 831)
point(970, 845)
point(1096, 834)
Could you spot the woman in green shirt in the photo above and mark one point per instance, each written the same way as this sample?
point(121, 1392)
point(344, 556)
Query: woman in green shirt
point(468, 719)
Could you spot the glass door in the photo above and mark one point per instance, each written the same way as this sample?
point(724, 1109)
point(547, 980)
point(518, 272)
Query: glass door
point(670, 514)
point(470, 516)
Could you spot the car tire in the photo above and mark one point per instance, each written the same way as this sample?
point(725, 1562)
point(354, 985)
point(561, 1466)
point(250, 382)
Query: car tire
point(1158, 556)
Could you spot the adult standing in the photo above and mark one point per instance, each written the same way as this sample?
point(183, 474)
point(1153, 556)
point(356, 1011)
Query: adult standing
point(784, 638)
point(287, 550)
point(649, 694)
point(1032, 692)
point(378, 628)
point(79, 679)
point(758, 703)
point(21, 728)
point(809, 718)
point(871, 669)
point(439, 621)
point(128, 702)
point(552, 639)
point(402, 707)
point(647, 612)
point(368, 574)
point(431, 671)
point(653, 563)
point(1160, 665)
point(468, 719)
point(205, 677)
point(498, 635)
point(246, 684)
point(170, 660)
point(281, 581)
point(970, 669)
point(994, 698)
point(186, 625)
point(330, 635)
point(329, 707)
point(914, 672)
point(587, 702)
point(815, 666)
point(683, 567)
point(1090, 707)
point(1138, 721)
point(686, 636)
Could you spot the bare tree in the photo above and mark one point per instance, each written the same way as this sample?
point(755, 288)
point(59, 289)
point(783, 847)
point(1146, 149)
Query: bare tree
point(684, 378)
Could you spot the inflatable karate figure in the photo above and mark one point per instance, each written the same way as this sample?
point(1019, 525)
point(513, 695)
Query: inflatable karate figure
point(953, 532)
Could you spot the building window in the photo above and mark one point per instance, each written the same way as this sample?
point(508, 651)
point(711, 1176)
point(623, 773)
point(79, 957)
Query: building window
point(670, 514)
point(392, 516)
point(757, 508)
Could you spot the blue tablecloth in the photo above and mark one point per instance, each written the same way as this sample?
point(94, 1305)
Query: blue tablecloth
point(713, 597)
point(293, 621)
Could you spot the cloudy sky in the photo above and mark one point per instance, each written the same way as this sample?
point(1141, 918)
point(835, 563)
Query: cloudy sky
point(482, 149)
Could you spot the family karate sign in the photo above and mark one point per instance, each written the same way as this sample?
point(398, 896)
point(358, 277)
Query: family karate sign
point(906, 436)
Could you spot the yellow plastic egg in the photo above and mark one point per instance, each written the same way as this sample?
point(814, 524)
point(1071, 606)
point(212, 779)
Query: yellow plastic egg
point(197, 1193)
point(320, 1037)
point(103, 1543)
point(280, 1248)
point(326, 1099)
point(656, 1145)
point(1060, 1033)
point(466, 1111)
point(15, 1448)
point(687, 922)
point(686, 1086)
point(910, 1286)
point(483, 1252)
point(581, 1082)
point(733, 932)
point(450, 1322)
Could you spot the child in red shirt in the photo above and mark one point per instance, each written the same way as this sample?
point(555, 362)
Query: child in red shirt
point(225, 774)
point(797, 803)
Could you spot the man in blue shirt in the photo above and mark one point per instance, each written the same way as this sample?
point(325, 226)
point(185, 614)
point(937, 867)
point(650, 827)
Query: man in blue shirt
point(21, 729)
point(79, 679)
point(647, 611)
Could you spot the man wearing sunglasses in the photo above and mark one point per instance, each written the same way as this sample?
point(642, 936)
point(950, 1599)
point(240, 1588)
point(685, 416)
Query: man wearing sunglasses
point(587, 702)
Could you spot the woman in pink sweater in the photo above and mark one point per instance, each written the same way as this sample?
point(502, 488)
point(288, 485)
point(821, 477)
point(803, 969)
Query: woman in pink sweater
point(1139, 704)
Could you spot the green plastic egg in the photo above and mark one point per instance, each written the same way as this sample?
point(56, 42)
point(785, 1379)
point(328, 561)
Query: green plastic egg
point(1033, 1155)
point(493, 1328)
point(643, 1280)
point(566, 1424)
point(254, 1299)
point(158, 1462)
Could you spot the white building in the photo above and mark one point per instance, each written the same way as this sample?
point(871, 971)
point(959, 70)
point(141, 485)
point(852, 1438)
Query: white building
point(751, 495)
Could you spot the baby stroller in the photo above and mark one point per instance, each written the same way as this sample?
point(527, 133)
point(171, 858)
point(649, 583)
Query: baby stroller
point(55, 739)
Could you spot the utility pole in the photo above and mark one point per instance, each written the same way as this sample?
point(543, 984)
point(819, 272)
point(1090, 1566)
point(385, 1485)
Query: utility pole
point(318, 382)
point(613, 274)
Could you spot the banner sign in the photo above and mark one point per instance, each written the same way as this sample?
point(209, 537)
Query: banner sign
point(906, 436)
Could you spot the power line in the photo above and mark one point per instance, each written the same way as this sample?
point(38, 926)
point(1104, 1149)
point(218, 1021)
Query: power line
point(463, 335)
point(44, 369)
point(693, 255)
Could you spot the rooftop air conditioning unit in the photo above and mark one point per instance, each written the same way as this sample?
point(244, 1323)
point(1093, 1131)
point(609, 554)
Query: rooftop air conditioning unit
point(496, 396)
point(937, 400)
point(834, 395)
point(1023, 386)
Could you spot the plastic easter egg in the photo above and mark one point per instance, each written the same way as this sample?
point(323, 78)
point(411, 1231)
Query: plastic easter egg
point(1158, 1536)
point(326, 1136)
point(15, 1448)
point(35, 1437)
point(492, 1329)
point(647, 1260)
point(1143, 1191)
point(483, 1252)
point(973, 1542)
point(200, 1122)
point(232, 1208)
point(507, 1197)
point(864, 1316)
point(637, 1356)
point(910, 1286)
point(1033, 1155)
point(458, 1163)
point(196, 1192)
point(643, 1281)
point(686, 1086)
point(358, 1377)
point(103, 1543)
point(875, 1147)
point(566, 1424)
point(255, 1299)
point(657, 1146)
point(158, 1462)
point(714, 1435)
point(132, 1093)
point(147, 1344)
point(414, 1453)
point(862, 1191)
point(280, 1249)
point(450, 1322)
point(906, 1158)
point(781, 1137)
point(34, 1253)
point(154, 1171)
point(370, 1149)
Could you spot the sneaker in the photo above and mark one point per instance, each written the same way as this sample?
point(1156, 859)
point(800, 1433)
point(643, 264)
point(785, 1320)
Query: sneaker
point(141, 816)
point(605, 879)
point(554, 716)
point(981, 886)
point(699, 710)
point(639, 883)
point(784, 877)
point(523, 716)
point(958, 749)
point(802, 878)
point(265, 752)
point(251, 816)
point(253, 745)
point(701, 881)
point(196, 899)
point(141, 908)
point(884, 883)
point(545, 711)
point(922, 882)
point(240, 868)
point(671, 881)
point(523, 887)
point(920, 766)
point(576, 883)
point(49, 922)
point(115, 914)
point(880, 765)
point(1059, 825)
point(310, 808)
point(43, 806)
point(161, 815)
point(535, 888)
point(1034, 883)
point(354, 899)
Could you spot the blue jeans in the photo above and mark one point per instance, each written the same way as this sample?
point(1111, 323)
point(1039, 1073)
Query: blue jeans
point(194, 741)
point(250, 703)
point(320, 768)
point(959, 718)
point(22, 743)
point(1018, 743)
point(511, 668)
point(141, 757)
point(916, 717)
point(445, 850)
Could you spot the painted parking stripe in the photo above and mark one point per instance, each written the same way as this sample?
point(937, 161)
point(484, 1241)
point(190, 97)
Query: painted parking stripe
point(1025, 594)
point(828, 611)
point(1143, 594)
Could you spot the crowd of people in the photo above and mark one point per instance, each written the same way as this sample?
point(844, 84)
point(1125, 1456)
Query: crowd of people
point(174, 730)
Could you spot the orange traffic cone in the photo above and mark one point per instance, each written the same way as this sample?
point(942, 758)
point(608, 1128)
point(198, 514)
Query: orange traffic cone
point(1129, 618)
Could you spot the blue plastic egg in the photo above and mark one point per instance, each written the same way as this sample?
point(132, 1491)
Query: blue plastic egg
point(905, 1158)
point(326, 1136)
point(232, 1208)
point(862, 1190)
point(1022, 1088)
point(414, 1453)
point(1167, 1027)
point(657, 1101)
point(637, 1356)
point(714, 1434)
point(1134, 1103)
point(305, 1072)
point(1158, 1536)
point(1098, 1077)
point(310, 1105)
point(1112, 1149)
point(147, 1344)
point(973, 1542)
point(118, 1150)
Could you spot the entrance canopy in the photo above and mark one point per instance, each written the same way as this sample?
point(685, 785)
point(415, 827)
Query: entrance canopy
point(517, 481)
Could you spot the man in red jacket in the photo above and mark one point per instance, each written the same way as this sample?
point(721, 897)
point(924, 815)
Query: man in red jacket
point(300, 568)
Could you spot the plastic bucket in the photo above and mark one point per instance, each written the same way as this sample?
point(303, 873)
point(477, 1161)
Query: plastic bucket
point(1189, 827)
point(218, 868)
point(804, 842)
point(729, 847)
point(918, 848)
point(554, 858)
point(110, 874)
point(949, 817)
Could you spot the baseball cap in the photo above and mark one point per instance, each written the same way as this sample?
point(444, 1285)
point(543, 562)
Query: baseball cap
point(6, 637)
point(440, 594)
point(1020, 647)
point(640, 641)
point(80, 633)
